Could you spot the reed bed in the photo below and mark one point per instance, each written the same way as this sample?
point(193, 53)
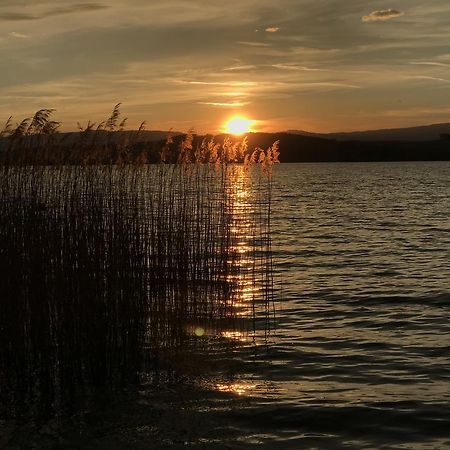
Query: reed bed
point(109, 271)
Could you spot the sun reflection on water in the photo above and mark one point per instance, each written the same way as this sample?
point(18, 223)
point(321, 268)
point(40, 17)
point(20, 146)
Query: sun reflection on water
point(238, 388)
point(246, 308)
point(235, 335)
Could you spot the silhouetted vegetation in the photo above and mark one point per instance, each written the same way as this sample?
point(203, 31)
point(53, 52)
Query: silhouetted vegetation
point(36, 141)
point(297, 148)
point(109, 271)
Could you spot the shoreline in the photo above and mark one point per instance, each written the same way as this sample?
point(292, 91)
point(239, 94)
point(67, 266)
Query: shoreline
point(183, 415)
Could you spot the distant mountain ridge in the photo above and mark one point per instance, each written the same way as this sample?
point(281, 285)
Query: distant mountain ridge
point(431, 132)
point(101, 137)
point(312, 148)
point(67, 138)
point(146, 146)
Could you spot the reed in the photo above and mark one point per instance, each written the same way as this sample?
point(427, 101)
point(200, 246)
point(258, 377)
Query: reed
point(109, 271)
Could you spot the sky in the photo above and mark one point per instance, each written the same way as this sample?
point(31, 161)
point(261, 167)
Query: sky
point(315, 65)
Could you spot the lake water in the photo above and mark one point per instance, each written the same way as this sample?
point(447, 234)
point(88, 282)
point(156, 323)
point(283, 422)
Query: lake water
point(362, 355)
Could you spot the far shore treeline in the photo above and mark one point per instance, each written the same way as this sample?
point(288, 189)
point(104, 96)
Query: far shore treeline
point(37, 141)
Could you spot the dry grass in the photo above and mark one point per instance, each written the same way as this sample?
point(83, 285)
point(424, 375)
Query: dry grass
point(110, 270)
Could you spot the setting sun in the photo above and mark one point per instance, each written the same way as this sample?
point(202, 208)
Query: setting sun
point(238, 125)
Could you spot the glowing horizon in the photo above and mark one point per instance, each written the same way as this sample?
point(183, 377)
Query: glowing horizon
point(239, 125)
point(188, 64)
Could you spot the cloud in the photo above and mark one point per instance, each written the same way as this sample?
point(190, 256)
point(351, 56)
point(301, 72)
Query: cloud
point(431, 113)
point(385, 14)
point(115, 54)
point(428, 78)
point(293, 66)
point(224, 104)
point(78, 7)
point(19, 35)
point(272, 29)
point(429, 63)
point(325, 85)
point(17, 16)
point(218, 83)
point(245, 67)
point(57, 11)
point(254, 44)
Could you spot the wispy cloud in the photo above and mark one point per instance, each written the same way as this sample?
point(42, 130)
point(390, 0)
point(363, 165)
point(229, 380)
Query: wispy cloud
point(254, 44)
point(16, 16)
point(233, 94)
point(217, 83)
point(168, 60)
point(237, 68)
point(429, 63)
point(225, 104)
point(428, 78)
point(290, 66)
point(56, 11)
point(14, 34)
point(325, 85)
point(418, 113)
point(384, 14)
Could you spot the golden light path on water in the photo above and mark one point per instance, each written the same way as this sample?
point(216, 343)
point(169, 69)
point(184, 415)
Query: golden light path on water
point(244, 279)
point(243, 229)
point(243, 233)
point(239, 388)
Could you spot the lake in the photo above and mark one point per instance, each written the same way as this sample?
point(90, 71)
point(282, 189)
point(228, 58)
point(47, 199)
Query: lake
point(362, 353)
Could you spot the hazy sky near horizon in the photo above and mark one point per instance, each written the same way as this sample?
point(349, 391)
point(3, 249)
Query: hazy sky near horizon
point(318, 65)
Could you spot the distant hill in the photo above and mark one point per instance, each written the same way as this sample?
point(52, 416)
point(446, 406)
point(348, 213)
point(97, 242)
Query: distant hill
point(420, 133)
point(68, 139)
point(136, 136)
point(312, 148)
point(129, 146)
point(299, 148)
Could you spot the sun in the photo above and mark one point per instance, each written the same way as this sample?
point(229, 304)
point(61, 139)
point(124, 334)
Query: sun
point(238, 125)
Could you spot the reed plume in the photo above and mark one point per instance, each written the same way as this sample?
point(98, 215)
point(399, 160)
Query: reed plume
point(110, 265)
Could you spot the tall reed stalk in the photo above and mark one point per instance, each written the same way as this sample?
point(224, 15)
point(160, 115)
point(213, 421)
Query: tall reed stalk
point(107, 270)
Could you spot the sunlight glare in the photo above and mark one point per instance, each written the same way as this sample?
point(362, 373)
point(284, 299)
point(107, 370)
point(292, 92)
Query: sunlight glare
point(238, 125)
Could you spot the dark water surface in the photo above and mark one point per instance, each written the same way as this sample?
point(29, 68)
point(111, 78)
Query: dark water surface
point(362, 357)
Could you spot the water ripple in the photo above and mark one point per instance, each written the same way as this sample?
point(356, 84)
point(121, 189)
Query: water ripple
point(362, 357)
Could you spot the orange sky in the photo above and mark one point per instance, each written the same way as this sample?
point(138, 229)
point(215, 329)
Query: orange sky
point(316, 65)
